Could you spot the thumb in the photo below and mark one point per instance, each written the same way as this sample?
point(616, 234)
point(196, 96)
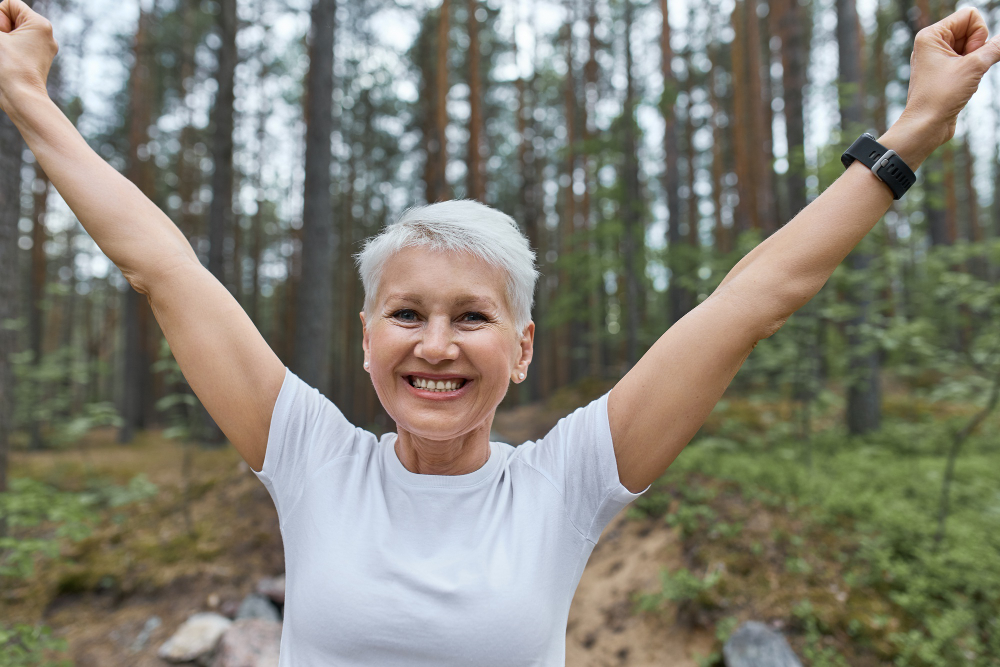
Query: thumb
point(989, 53)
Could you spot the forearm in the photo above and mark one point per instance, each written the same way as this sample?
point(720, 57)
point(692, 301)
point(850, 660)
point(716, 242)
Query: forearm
point(131, 230)
point(793, 264)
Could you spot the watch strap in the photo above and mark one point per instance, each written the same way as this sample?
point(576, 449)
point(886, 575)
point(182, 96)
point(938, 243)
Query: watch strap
point(883, 162)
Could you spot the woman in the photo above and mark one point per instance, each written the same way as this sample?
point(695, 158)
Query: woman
point(434, 546)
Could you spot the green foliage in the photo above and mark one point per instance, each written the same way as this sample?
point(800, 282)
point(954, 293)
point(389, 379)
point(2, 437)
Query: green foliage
point(27, 646)
point(39, 518)
point(30, 504)
point(46, 395)
point(675, 587)
point(886, 488)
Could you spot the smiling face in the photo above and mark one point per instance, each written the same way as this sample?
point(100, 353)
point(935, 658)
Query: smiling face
point(441, 342)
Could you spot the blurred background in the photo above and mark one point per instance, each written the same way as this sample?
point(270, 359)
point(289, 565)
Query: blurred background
point(847, 488)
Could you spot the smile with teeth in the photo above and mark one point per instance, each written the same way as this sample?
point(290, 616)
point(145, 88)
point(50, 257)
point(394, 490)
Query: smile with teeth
point(436, 385)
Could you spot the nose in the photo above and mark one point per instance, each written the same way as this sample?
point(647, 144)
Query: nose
point(437, 342)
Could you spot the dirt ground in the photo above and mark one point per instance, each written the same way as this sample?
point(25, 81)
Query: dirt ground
point(239, 543)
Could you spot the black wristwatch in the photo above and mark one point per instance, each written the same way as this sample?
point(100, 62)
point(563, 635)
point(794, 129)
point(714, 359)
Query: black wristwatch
point(883, 162)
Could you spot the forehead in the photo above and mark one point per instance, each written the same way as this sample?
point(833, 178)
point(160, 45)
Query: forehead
point(424, 275)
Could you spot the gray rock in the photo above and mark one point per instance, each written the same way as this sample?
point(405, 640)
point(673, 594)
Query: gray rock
point(143, 636)
point(756, 645)
point(196, 637)
point(257, 606)
point(250, 642)
point(273, 588)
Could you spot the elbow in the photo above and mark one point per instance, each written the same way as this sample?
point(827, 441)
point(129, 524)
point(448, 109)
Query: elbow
point(155, 277)
point(788, 297)
point(768, 303)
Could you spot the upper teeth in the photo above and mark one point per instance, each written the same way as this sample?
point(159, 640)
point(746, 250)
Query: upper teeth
point(436, 385)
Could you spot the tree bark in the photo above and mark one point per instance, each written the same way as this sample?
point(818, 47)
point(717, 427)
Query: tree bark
point(591, 72)
point(864, 388)
point(435, 172)
point(11, 150)
point(745, 214)
point(760, 149)
point(721, 234)
point(794, 63)
point(474, 164)
point(220, 212)
point(315, 292)
point(631, 204)
point(36, 314)
point(136, 397)
point(678, 305)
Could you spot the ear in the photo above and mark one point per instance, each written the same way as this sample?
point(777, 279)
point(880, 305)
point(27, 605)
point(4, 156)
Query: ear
point(527, 347)
point(365, 343)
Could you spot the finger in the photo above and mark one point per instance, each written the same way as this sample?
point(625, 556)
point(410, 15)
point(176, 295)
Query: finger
point(977, 33)
point(961, 29)
point(5, 23)
point(17, 13)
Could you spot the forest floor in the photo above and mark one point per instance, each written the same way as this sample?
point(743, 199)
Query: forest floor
point(142, 563)
point(653, 592)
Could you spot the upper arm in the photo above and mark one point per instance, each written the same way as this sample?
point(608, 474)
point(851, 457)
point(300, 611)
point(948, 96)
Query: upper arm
point(224, 358)
point(657, 408)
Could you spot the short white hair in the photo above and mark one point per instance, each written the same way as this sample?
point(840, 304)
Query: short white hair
point(459, 226)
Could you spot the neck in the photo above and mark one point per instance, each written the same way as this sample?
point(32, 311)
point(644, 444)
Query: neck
point(457, 456)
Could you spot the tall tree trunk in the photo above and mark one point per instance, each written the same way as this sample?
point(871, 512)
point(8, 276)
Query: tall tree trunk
point(474, 164)
point(721, 234)
point(864, 397)
point(595, 296)
point(435, 172)
point(220, 212)
point(978, 265)
point(137, 391)
point(761, 151)
point(745, 215)
point(257, 222)
point(528, 206)
point(794, 62)
point(631, 206)
point(567, 217)
point(36, 325)
point(678, 303)
point(315, 292)
point(188, 171)
point(950, 195)
point(11, 150)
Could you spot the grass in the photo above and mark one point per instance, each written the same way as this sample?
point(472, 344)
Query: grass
point(834, 536)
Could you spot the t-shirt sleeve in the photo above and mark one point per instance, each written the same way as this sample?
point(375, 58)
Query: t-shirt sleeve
point(307, 431)
point(578, 457)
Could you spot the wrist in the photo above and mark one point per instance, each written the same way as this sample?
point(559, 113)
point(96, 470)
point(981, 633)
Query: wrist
point(20, 99)
point(913, 139)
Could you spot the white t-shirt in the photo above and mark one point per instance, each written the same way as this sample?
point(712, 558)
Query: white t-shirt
point(387, 567)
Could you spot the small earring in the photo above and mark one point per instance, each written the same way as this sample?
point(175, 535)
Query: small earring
point(520, 376)
point(366, 364)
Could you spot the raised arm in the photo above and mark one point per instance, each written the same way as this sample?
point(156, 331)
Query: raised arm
point(661, 403)
point(225, 359)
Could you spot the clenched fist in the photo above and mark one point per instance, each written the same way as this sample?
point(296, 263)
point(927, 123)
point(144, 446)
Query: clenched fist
point(948, 61)
point(26, 50)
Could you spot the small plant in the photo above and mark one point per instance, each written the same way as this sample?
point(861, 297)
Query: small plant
point(25, 645)
point(678, 587)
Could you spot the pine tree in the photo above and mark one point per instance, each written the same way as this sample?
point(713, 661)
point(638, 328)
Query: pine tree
point(313, 312)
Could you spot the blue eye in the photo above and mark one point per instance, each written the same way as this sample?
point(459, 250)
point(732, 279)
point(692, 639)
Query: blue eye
point(478, 317)
point(406, 315)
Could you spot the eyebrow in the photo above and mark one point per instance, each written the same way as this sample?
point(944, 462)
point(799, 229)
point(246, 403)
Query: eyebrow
point(464, 300)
